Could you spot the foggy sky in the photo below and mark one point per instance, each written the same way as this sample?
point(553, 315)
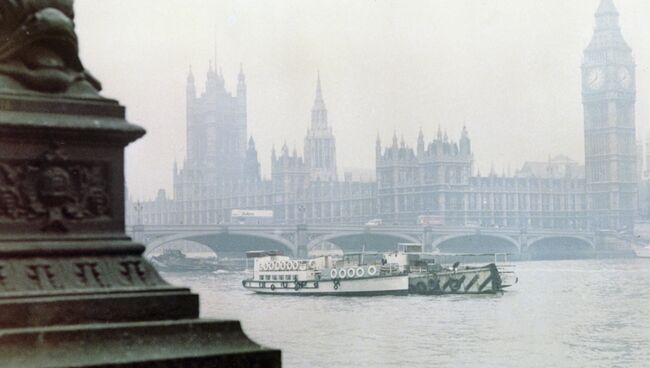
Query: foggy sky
point(507, 69)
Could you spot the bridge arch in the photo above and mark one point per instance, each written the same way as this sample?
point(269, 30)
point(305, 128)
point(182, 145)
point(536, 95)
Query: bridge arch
point(471, 243)
point(355, 241)
point(560, 246)
point(215, 241)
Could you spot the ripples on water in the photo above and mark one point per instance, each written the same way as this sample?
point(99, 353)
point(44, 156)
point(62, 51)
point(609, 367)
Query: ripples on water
point(561, 314)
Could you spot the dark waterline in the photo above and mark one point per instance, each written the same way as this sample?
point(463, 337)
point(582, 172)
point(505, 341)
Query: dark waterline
point(589, 313)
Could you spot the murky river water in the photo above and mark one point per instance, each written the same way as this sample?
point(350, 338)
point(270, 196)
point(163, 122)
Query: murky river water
point(593, 313)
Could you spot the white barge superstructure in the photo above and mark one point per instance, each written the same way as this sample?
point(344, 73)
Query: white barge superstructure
point(350, 276)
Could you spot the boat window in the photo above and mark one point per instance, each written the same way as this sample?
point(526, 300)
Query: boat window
point(275, 277)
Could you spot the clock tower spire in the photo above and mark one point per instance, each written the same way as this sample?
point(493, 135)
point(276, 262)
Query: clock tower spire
point(608, 95)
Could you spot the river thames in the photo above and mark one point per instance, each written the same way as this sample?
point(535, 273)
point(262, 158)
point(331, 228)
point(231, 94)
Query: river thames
point(591, 313)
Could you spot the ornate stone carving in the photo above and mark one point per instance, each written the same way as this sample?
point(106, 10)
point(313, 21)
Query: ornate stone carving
point(289, 236)
point(53, 190)
point(39, 47)
point(3, 276)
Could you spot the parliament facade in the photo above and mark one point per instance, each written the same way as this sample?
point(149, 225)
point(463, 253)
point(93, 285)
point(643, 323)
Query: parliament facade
point(433, 178)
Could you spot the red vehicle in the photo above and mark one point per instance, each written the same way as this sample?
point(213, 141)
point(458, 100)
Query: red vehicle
point(431, 220)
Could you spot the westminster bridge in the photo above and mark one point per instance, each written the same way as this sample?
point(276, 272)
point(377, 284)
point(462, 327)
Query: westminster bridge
point(298, 240)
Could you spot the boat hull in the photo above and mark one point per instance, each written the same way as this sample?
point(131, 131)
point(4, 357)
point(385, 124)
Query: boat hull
point(369, 286)
point(479, 280)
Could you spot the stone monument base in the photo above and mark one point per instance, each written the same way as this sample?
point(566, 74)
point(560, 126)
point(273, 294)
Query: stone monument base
point(161, 344)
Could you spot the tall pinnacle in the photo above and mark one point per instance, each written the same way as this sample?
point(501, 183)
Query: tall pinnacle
point(606, 7)
point(607, 33)
point(318, 101)
point(318, 112)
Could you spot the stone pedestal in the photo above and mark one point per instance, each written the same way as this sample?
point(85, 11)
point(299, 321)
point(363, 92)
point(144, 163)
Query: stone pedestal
point(75, 291)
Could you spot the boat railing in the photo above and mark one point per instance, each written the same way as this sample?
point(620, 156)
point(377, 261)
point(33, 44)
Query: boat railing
point(389, 269)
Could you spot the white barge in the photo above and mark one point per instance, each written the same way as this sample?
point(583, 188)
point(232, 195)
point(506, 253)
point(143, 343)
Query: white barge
point(274, 273)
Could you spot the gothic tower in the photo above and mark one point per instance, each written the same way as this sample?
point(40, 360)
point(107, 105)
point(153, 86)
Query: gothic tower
point(252, 164)
point(216, 129)
point(609, 93)
point(320, 145)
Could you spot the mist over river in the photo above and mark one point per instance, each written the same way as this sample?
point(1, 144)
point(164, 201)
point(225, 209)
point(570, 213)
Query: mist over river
point(589, 313)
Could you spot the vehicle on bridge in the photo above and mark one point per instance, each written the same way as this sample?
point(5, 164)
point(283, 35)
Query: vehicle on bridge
point(431, 220)
point(350, 275)
point(375, 222)
point(252, 217)
point(428, 275)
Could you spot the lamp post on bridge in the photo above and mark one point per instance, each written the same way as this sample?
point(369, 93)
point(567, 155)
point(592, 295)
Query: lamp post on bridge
point(138, 207)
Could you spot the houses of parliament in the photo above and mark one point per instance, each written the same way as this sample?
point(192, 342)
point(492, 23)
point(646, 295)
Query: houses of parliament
point(434, 177)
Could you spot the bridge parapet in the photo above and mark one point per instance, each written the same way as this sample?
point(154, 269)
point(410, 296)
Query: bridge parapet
point(301, 238)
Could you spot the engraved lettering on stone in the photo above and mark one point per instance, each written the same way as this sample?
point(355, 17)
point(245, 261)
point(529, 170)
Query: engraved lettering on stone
point(53, 190)
point(3, 276)
point(88, 274)
point(133, 272)
point(42, 276)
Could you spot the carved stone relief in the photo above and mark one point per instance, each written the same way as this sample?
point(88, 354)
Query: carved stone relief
point(53, 190)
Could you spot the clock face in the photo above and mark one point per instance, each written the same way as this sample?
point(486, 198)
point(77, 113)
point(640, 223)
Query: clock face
point(595, 79)
point(624, 78)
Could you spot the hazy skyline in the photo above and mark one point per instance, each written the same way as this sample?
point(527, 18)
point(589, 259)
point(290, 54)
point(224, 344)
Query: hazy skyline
point(507, 69)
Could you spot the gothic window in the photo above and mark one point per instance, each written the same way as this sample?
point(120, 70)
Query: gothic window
point(522, 201)
point(601, 201)
point(598, 115)
point(623, 110)
point(627, 201)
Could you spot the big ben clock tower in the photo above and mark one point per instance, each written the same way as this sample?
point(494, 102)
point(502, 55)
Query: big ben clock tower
point(608, 94)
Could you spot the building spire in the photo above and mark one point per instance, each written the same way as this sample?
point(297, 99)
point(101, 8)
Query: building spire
point(216, 61)
point(318, 111)
point(606, 7)
point(318, 101)
point(190, 88)
point(607, 33)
